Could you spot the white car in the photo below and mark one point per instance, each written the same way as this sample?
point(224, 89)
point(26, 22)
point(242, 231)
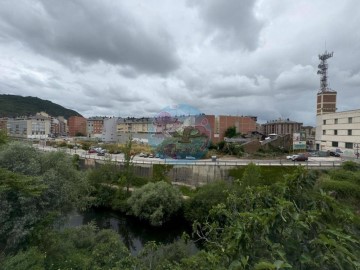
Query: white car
point(291, 157)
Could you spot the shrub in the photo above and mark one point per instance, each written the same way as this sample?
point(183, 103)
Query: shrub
point(343, 189)
point(198, 207)
point(155, 202)
point(351, 166)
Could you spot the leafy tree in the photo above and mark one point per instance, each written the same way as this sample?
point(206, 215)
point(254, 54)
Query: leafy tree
point(3, 137)
point(230, 132)
point(160, 172)
point(128, 165)
point(104, 180)
point(84, 247)
point(35, 188)
point(252, 175)
point(204, 199)
point(32, 258)
point(155, 256)
point(155, 202)
point(19, 208)
point(286, 225)
point(20, 158)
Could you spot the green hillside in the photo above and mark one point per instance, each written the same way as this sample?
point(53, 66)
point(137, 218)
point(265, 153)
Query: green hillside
point(13, 106)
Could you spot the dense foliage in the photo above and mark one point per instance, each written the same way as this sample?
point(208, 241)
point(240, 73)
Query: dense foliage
point(278, 220)
point(74, 248)
point(13, 106)
point(155, 202)
point(34, 189)
point(286, 225)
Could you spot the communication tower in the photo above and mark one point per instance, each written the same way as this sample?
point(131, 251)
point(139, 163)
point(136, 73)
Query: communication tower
point(323, 67)
point(326, 97)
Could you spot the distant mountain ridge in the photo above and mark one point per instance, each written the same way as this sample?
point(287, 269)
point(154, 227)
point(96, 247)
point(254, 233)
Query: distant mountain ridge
point(14, 106)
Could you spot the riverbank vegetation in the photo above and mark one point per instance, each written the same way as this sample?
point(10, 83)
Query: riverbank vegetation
point(293, 219)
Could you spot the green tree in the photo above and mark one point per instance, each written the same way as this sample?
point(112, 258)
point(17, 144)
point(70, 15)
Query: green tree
point(32, 258)
point(20, 208)
point(230, 132)
point(155, 202)
point(20, 158)
point(3, 137)
point(252, 175)
point(286, 225)
point(204, 199)
point(128, 164)
point(84, 247)
point(35, 188)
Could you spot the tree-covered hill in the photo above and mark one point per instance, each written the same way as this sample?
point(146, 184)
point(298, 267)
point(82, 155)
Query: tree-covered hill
point(13, 106)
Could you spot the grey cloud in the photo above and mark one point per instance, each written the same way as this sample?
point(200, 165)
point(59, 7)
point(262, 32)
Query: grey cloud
point(238, 86)
point(299, 78)
point(233, 22)
point(90, 31)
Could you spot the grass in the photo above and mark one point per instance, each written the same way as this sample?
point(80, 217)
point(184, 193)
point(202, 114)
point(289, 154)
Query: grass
point(269, 174)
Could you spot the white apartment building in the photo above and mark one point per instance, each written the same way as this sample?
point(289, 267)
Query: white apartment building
point(33, 127)
point(338, 130)
point(334, 130)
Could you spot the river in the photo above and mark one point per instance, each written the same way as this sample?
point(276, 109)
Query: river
point(133, 232)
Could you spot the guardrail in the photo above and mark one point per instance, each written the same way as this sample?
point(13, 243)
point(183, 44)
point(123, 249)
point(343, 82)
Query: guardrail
point(218, 162)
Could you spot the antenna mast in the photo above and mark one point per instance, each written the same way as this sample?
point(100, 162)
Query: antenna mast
point(323, 66)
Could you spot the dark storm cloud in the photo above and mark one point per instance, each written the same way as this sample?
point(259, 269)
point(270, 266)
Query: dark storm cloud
point(89, 31)
point(233, 22)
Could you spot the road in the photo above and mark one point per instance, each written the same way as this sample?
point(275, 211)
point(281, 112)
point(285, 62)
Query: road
point(313, 161)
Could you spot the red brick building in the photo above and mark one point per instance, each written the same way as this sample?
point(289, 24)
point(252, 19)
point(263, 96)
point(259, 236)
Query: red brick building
point(219, 124)
point(77, 125)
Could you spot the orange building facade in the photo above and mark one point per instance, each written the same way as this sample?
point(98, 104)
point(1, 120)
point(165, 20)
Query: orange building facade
point(219, 124)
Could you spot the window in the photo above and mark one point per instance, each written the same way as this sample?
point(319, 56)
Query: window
point(335, 132)
point(349, 132)
point(324, 122)
point(335, 144)
point(324, 132)
point(350, 120)
point(349, 145)
point(336, 121)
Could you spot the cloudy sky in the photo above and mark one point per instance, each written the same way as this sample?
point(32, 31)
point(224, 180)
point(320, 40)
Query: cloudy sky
point(133, 58)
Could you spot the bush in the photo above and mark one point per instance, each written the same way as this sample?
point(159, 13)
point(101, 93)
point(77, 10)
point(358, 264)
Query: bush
point(343, 175)
point(343, 189)
point(198, 207)
point(351, 166)
point(155, 202)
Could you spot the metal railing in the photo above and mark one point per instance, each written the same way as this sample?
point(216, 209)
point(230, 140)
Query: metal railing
point(184, 162)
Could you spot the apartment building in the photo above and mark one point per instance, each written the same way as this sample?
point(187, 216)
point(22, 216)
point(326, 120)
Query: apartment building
point(338, 130)
point(281, 127)
point(33, 127)
point(94, 126)
point(134, 125)
point(77, 126)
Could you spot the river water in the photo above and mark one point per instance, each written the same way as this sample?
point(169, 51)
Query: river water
point(133, 232)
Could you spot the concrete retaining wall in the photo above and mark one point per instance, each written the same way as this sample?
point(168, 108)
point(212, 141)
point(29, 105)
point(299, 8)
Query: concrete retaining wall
point(193, 175)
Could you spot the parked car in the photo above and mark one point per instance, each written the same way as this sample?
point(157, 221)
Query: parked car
point(334, 154)
point(92, 151)
point(300, 158)
point(101, 154)
point(151, 155)
point(291, 157)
